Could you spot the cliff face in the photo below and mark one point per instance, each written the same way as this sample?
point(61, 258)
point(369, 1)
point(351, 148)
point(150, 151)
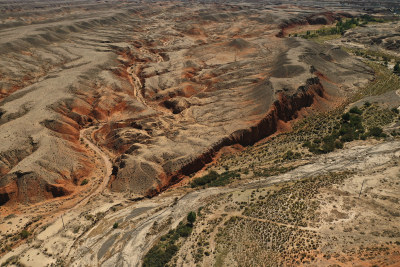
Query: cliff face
point(324, 18)
point(284, 109)
point(159, 101)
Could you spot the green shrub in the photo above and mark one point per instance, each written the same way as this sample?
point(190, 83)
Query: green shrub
point(307, 144)
point(289, 155)
point(355, 121)
point(208, 178)
point(317, 141)
point(184, 230)
point(346, 129)
point(328, 147)
point(367, 104)
point(24, 234)
point(115, 225)
point(396, 68)
point(376, 132)
point(191, 217)
point(159, 256)
point(214, 179)
point(162, 252)
point(346, 116)
point(85, 181)
point(329, 138)
point(356, 110)
point(348, 137)
point(338, 144)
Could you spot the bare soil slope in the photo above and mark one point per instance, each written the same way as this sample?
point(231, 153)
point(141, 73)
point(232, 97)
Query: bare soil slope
point(167, 86)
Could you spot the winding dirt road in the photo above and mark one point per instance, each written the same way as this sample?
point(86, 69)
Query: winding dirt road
point(107, 165)
point(56, 229)
point(74, 212)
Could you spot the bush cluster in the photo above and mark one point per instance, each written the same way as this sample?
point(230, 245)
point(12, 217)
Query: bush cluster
point(342, 26)
point(349, 128)
point(214, 179)
point(162, 252)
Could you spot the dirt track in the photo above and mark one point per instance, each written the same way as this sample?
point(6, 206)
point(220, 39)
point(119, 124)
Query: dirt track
point(107, 165)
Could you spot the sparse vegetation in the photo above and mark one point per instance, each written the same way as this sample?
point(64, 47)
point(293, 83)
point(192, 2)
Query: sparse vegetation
point(214, 179)
point(162, 252)
point(352, 127)
point(316, 134)
point(340, 28)
point(385, 81)
point(271, 171)
point(289, 155)
point(276, 225)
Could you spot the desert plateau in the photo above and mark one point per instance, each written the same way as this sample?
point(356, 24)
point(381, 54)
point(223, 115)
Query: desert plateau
point(199, 133)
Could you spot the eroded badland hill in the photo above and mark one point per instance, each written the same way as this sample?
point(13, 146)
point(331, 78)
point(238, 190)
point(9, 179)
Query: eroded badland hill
point(273, 124)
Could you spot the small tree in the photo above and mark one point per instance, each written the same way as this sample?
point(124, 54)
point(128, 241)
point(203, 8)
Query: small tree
point(24, 234)
point(367, 104)
point(346, 116)
point(191, 217)
point(396, 68)
point(356, 110)
point(376, 132)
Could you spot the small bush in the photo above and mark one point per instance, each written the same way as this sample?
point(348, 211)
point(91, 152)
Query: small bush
point(307, 144)
point(317, 141)
point(346, 116)
point(191, 217)
point(85, 181)
point(159, 256)
point(24, 234)
point(214, 179)
point(348, 137)
point(289, 155)
point(115, 225)
point(355, 121)
point(356, 110)
point(367, 104)
point(346, 129)
point(208, 178)
point(338, 144)
point(329, 144)
point(162, 252)
point(376, 132)
point(184, 230)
